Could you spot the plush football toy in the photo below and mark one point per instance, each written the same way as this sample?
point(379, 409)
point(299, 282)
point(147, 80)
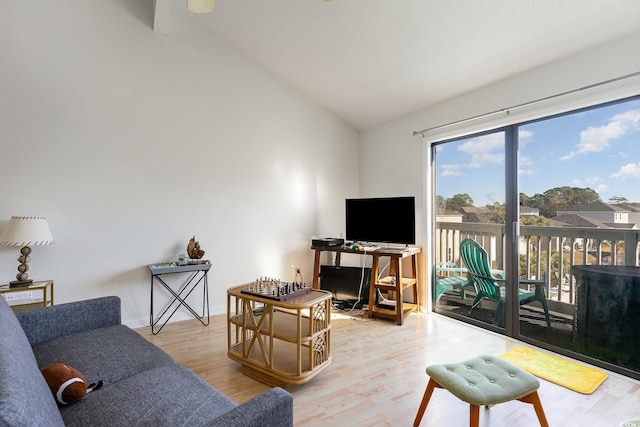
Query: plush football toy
point(67, 384)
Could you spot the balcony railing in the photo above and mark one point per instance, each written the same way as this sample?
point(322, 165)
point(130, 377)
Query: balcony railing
point(541, 248)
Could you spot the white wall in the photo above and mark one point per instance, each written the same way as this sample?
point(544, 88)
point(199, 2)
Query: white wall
point(130, 142)
point(391, 157)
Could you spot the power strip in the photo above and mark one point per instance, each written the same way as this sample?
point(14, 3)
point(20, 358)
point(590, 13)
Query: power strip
point(14, 296)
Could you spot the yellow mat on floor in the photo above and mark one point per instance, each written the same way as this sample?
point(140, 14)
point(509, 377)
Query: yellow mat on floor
point(566, 373)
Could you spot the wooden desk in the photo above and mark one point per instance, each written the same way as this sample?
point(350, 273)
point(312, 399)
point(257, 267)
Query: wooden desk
point(394, 284)
point(338, 250)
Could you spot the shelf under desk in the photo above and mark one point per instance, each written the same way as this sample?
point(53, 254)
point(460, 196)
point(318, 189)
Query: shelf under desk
point(394, 285)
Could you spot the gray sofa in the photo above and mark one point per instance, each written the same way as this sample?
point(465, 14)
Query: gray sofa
point(143, 386)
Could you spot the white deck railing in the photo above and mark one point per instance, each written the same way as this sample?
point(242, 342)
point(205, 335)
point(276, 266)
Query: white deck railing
point(574, 245)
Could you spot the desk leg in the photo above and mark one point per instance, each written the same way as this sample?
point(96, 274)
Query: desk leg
point(372, 285)
point(399, 300)
point(414, 273)
point(316, 269)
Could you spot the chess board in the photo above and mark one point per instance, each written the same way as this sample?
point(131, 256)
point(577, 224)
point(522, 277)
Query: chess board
point(276, 291)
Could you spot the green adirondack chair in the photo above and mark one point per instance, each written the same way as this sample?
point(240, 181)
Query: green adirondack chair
point(490, 284)
point(448, 278)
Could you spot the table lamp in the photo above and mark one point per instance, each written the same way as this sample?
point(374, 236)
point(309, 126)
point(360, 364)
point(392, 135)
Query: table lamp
point(25, 231)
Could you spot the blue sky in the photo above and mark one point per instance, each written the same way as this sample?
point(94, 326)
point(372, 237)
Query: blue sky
point(598, 148)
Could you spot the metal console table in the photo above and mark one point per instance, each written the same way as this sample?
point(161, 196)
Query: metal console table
point(196, 271)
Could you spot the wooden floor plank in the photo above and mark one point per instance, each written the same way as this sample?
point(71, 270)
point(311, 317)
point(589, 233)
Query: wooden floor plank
point(377, 375)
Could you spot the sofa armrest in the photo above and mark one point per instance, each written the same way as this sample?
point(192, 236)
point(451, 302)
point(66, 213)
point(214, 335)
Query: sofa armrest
point(47, 323)
point(274, 407)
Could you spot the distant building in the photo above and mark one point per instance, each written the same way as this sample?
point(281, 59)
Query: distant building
point(634, 213)
point(483, 214)
point(473, 214)
point(582, 220)
point(600, 211)
point(445, 215)
point(529, 211)
point(574, 220)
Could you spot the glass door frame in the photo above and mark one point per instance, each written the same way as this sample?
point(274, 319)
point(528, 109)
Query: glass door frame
point(511, 255)
point(509, 260)
point(512, 232)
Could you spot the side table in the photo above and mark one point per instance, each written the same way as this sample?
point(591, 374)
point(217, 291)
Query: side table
point(25, 297)
point(195, 271)
point(279, 342)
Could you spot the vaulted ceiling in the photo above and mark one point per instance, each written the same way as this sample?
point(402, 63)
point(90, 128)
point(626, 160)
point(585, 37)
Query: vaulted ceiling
point(370, 61)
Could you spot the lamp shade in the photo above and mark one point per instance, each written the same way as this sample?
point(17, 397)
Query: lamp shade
point(26, 231)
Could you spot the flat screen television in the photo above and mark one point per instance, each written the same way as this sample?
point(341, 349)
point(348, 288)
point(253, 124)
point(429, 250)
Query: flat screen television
point(381, 220)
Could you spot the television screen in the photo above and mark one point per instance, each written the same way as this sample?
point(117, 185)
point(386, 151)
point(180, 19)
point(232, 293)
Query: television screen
point(384, 220)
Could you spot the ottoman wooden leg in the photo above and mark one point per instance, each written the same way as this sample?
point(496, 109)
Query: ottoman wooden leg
point(534, 399)
point(425, 401)
point(474, 416)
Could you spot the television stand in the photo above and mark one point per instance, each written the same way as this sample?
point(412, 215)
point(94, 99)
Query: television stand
point(393, 286)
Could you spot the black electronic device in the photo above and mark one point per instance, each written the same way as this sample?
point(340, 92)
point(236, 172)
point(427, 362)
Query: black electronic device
point(383, 220)
point(327, 242)
point(344, 284)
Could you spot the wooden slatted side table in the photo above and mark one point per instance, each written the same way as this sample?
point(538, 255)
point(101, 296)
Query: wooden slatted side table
point(279, 342)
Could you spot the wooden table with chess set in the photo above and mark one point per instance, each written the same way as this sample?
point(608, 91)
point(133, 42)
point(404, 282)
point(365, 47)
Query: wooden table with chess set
point(278, 331)
point(271, 288)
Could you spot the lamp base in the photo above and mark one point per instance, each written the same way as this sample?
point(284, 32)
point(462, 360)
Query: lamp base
point(20, 283)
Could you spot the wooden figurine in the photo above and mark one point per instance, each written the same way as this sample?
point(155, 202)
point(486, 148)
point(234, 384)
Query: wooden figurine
point(193, 249)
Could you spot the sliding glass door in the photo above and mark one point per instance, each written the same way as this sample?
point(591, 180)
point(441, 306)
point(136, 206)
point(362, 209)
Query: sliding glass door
point(555, 206)
point(580, 213)
point(469, 204)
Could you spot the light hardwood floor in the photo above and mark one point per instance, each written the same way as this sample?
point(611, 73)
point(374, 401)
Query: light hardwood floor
point(377, 376)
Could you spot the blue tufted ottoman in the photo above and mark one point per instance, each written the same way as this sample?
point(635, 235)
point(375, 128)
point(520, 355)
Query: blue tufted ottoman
point(485, 380)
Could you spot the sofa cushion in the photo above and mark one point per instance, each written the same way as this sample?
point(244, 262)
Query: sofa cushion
point(109, 354)
point(166, 396)
point(25, 398)
point(47, 323)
